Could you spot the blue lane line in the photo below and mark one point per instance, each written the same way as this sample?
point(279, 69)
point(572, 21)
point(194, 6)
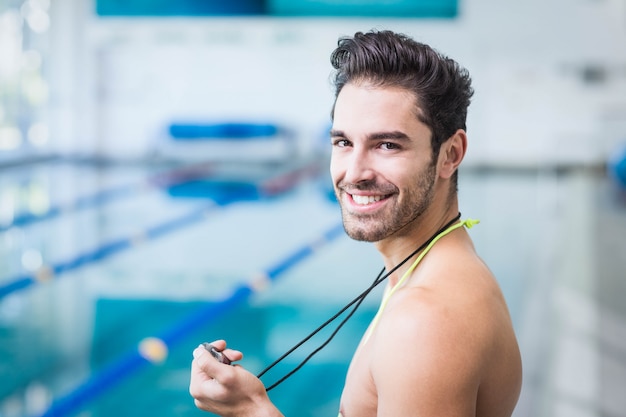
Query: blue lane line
point(105, 251)
point(304, 252)
point(268, 189)
point(133, 361)
point(218, 131)
point(162, 180)
point(83, 202)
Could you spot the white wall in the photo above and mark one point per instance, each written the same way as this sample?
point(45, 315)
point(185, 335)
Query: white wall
point(117, 83)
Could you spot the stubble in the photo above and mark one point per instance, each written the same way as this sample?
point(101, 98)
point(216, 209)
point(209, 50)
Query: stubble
point(404, 209)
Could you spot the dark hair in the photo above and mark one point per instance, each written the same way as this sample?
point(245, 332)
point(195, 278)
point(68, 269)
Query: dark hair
point(384, 58)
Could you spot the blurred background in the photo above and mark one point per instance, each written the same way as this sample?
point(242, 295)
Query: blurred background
point(163, 182)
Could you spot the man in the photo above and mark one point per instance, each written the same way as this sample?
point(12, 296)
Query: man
point(442, 343)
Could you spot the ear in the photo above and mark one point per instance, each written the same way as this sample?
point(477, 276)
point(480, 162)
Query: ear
point(452, 153)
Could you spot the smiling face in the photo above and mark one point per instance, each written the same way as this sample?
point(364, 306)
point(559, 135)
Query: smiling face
point(382, 163)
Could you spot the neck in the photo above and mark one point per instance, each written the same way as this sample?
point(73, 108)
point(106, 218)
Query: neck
point(395, 248)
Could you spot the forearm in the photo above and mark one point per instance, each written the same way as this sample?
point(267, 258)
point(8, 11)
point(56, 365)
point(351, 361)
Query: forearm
point(266, 410)
point(260, 407)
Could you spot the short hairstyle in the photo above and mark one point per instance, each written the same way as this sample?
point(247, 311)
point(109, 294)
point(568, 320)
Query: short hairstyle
point(387, 59)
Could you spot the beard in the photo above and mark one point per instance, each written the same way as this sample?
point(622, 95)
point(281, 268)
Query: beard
point(396, 215)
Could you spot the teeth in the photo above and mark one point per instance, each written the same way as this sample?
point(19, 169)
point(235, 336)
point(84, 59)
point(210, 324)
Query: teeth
point(365, 199)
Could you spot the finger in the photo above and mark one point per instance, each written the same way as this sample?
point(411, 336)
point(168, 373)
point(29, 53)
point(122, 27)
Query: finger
point(220, 356)
point(204, 361)
point(200, 377)
point(203, 388)
point(233, 355)
point(198, 351)
point(206, 367)
point(220, 345)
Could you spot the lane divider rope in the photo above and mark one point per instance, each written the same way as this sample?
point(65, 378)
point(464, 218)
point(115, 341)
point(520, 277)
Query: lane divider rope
point(270, 188)
point(157, 181)
point(154, 349)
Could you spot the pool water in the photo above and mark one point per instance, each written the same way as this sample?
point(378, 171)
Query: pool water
point(150, 261)
point(74, 339)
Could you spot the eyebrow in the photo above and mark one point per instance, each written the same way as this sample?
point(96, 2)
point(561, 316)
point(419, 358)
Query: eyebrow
point(396, 134)
point(388, 135)
point(335, 133)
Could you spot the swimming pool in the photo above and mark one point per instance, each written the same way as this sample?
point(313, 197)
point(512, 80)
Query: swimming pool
point(89, 319)
point(144, 264)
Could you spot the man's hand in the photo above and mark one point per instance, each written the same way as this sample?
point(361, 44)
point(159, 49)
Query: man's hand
point(227, 390)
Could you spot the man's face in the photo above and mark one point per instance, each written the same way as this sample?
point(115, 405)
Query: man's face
point(381, 163)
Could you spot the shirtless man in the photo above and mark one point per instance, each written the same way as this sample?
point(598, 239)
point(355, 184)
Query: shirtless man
point(442, 343)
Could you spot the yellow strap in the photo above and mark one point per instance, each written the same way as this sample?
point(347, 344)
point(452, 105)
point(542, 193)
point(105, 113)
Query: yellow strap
point(469, 223)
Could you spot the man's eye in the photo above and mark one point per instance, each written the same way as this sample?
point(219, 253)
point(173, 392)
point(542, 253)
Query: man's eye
point(342, 143)
point(389, 145)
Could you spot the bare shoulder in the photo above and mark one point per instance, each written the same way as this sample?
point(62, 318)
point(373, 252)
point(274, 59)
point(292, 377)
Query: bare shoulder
point(452, 291)
point(451, 328)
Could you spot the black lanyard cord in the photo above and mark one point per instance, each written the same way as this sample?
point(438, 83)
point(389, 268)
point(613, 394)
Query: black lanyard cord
point(358, 300)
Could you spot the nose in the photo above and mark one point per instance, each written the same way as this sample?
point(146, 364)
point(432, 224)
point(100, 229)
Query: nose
point(355, 165)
